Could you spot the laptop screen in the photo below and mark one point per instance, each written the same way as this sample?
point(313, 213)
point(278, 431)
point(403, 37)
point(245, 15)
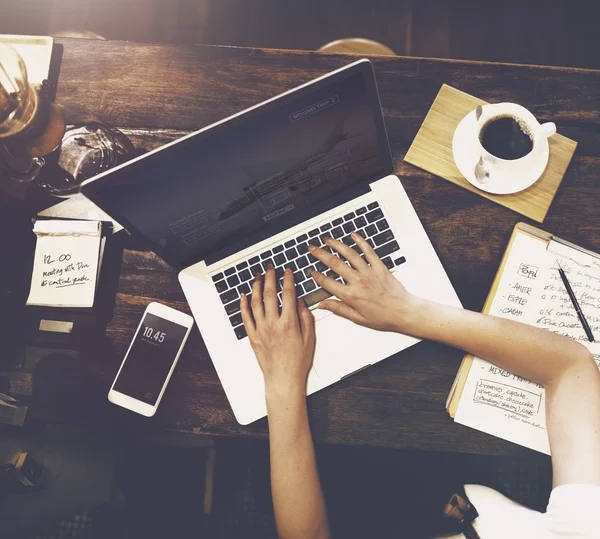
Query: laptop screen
point(255, 173)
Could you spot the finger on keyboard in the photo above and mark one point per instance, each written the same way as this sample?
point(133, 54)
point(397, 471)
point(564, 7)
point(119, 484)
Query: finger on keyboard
point(329, 283)
point(368, 251)
point(288, 294)
point(270, 294)
point(349, 254)
point(333, 262)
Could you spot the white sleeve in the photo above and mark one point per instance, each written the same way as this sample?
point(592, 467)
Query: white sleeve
point(574, 512)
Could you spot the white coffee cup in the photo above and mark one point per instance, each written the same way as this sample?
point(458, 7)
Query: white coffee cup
point(489, 166)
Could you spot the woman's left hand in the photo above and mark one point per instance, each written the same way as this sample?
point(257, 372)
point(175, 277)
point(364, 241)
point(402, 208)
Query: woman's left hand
point(284, 343)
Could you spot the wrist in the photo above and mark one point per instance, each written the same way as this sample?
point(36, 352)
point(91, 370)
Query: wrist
point(286, 411)
point(285, 394)
point(410, 315)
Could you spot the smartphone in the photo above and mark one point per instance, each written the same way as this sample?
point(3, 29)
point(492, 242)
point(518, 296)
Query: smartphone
point(150, 359)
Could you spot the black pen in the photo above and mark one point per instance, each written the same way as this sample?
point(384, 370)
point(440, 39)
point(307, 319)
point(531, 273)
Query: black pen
point(584, 323)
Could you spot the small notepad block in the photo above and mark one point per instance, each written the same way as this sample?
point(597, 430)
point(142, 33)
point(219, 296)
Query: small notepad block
point(65, 265)
point(432, 151)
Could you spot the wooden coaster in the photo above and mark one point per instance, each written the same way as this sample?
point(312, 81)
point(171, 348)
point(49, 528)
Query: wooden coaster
point(432, 151)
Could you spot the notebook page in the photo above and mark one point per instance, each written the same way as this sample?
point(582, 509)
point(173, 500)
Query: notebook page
point(530, 291)
point(65, 265)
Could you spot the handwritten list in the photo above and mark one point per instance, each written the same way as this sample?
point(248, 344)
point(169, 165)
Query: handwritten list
point(531, 291)
point(65, 266)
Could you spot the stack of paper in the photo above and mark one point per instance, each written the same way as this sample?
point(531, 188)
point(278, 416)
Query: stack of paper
point(528, 289)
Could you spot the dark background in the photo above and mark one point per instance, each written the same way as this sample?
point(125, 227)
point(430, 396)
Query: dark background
point(549, 32)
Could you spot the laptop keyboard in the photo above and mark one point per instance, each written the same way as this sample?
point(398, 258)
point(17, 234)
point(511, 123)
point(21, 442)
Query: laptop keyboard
point(368, 221)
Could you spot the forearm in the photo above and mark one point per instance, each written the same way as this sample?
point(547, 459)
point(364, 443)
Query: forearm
point(530, 352)
point(565, 368)
point(573, 422)
point(297, 497)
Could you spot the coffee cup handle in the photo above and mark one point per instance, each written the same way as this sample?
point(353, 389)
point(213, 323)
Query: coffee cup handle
point(548, 129)
point(482, 170)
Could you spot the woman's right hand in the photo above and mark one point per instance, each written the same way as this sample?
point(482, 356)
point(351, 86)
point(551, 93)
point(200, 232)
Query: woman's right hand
point(372, 296)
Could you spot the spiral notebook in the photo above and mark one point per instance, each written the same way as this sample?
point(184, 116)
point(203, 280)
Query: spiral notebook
point(527, 288)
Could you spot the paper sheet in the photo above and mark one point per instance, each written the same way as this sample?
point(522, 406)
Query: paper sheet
point(36, 52)
point(65, 266)
point(79, 207)
point(530, 291)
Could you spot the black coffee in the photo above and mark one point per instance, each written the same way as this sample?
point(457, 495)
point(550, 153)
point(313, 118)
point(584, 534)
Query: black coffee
point(505, 138)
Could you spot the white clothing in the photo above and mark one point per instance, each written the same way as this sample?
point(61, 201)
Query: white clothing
point(573, 511)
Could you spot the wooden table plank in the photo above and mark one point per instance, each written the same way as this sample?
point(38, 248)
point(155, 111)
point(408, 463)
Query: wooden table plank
point(159, 92)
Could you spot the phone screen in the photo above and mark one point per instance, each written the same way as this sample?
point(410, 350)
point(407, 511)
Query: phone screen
point(150, 358)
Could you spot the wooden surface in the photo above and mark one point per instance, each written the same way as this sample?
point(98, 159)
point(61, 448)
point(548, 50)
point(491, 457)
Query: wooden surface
point(159, 92)
point(432, 150)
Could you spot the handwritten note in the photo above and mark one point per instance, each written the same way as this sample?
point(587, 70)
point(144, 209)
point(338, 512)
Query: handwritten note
point(502, 403)
point(65, 266)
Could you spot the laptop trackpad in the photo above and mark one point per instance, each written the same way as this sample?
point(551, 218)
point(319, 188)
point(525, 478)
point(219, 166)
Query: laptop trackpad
point(342, 346)
point(319, 314)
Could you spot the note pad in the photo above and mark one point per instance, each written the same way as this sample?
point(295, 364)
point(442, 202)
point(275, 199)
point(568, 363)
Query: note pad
point(528, 289)
point(65, 266)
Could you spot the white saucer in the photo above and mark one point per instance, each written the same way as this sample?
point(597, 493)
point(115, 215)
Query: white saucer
point(499, 183)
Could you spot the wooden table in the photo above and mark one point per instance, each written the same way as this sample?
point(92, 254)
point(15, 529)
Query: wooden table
point(156, 93)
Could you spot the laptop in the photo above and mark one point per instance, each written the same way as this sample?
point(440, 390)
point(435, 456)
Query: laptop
point(256, 188)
